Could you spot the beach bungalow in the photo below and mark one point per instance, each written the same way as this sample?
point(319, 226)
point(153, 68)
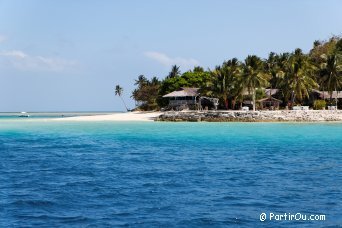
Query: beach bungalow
point(269, 103)
point(189, 98)
point(266, 103)
point(183, 98)
point(324, 95)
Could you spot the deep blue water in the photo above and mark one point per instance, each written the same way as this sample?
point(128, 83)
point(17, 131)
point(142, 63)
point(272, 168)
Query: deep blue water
point(70, 174)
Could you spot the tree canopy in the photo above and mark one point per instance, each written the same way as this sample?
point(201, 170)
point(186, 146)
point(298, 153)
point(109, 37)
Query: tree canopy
point(295, 75)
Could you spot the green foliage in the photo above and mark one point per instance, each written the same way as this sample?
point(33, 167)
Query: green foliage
point(227, 84)
point(299, 77)
point(198, 79)
point(188, 79)
point(274, 67)
point(260, 93)
point(147, 93)
point(198, 69)
point(338, 47)
point(324, 48)
point(319, 104)
point(254, 75)
point(175, 72)
point(331, 72)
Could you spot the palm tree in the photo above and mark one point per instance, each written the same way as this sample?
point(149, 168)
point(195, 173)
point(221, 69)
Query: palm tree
point(316, 43)
point(198, 69)
point(154, 81)
point(226, 81)
point(232, 82)
point(253, 75)
point(331, 73)
point(273, 68)
point(219, 87)
point(141, 80)
point(118, 92)
point(175, 72)
point(299, 77)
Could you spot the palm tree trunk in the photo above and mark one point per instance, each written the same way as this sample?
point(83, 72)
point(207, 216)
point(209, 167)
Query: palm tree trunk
point(253, 99)
point(124, 103)
point(292, 98)
point(225, 100)
point(226, 103)
point(233, 103)
point(336, 97)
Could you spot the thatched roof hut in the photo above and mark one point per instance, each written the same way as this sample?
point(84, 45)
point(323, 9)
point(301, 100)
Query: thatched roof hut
point(183, 92)
point(326, 94)
point(183, 98)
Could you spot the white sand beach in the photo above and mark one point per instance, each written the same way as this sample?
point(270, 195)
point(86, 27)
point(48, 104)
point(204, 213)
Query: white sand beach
point(216, 116)
point(127, 116)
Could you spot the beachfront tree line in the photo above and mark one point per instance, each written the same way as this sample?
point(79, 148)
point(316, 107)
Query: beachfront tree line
point(294, 74)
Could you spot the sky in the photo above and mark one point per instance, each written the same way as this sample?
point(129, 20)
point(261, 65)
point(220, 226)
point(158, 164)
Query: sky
point(69, 55)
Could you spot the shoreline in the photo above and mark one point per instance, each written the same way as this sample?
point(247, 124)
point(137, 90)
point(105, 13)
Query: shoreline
point(257, 116)
point(218, 116)
point(126, 116)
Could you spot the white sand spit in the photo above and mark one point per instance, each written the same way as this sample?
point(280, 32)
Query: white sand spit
point(128, 116)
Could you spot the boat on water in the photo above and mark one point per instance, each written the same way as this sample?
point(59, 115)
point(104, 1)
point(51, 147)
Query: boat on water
point(24, 114)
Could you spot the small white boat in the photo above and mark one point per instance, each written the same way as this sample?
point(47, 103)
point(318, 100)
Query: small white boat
point(24, 114)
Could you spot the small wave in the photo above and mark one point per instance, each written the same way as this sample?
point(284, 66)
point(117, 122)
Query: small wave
point(62, 219)
point(206, 221)
point(33, 203)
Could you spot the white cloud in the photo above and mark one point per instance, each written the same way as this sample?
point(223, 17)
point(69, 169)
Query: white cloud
point(20, 60)
point(184, 63)
point(14, 53)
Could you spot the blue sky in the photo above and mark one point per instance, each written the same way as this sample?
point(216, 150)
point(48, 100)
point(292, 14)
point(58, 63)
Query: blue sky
point(69, 55)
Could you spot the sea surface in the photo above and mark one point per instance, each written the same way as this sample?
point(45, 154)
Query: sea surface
point(47, 115)
point(158, 174)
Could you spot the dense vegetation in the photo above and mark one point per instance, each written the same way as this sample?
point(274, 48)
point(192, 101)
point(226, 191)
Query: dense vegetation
point(295, 74)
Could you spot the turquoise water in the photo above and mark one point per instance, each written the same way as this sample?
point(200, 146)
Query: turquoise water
point(46, 115)
point(149, 174)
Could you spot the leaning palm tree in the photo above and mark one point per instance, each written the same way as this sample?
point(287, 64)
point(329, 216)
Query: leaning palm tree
point(331, 73)
point(253, 75)
point(118, 92)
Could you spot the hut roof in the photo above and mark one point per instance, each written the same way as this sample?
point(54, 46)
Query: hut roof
point(269, 99)
point(326, 94)
point(183, 92)
point(273, 91)
point(267, 91)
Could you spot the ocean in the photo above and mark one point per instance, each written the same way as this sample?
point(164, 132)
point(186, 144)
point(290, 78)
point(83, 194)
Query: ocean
point(159, 174)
